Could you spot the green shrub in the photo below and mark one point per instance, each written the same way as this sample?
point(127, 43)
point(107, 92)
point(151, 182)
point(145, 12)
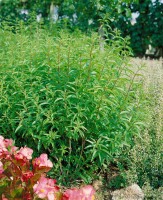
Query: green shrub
point(62, 95)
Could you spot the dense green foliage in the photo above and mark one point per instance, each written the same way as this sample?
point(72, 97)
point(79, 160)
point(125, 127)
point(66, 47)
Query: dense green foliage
point(92, 14)
point(62, 95)
point(148, 28)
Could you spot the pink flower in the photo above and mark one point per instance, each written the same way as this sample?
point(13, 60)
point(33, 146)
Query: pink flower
point(42, 162)
point(6, 147)
point(8, 143)
point(2, 146)
point(13, 149)
point(24, 152)
point(85, 193)
point(45, 188)
point(3, 197)
point(5, 143)
point(88, 192)
point(72, 194)
point(1, 167)
point(1, 138)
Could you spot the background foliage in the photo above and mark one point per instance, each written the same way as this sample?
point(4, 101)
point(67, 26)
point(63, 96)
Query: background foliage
point(91, 15)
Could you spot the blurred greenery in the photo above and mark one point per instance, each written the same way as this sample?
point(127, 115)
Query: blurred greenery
point(88, 15)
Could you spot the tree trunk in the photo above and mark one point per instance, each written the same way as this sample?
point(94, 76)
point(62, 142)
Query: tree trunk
point(53, 12)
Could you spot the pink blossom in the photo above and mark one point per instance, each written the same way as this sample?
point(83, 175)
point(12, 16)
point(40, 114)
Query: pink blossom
point(5, 143)
point(72, 194)
point(45, 188)
point(85, 193)
point(6, 147)
point(2, 145)
point(13, 149)
point(42, 162)
point(3, 197)
point(8, 142)
point(24, 152)
point(88, 192)
point(1, 138)
point(1, 167)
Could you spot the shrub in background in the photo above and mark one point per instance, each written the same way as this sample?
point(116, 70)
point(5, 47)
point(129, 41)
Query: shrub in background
point(62, 95)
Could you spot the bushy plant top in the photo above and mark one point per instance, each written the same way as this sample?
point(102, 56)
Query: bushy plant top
point(62, 95)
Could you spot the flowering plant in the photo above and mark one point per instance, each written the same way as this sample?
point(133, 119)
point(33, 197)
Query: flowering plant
point(24, 178)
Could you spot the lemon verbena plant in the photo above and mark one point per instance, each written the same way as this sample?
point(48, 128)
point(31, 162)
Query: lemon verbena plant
point(61, 94)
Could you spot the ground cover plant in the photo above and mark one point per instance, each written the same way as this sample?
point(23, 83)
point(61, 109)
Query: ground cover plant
point(62, 95)
point(146, 167)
